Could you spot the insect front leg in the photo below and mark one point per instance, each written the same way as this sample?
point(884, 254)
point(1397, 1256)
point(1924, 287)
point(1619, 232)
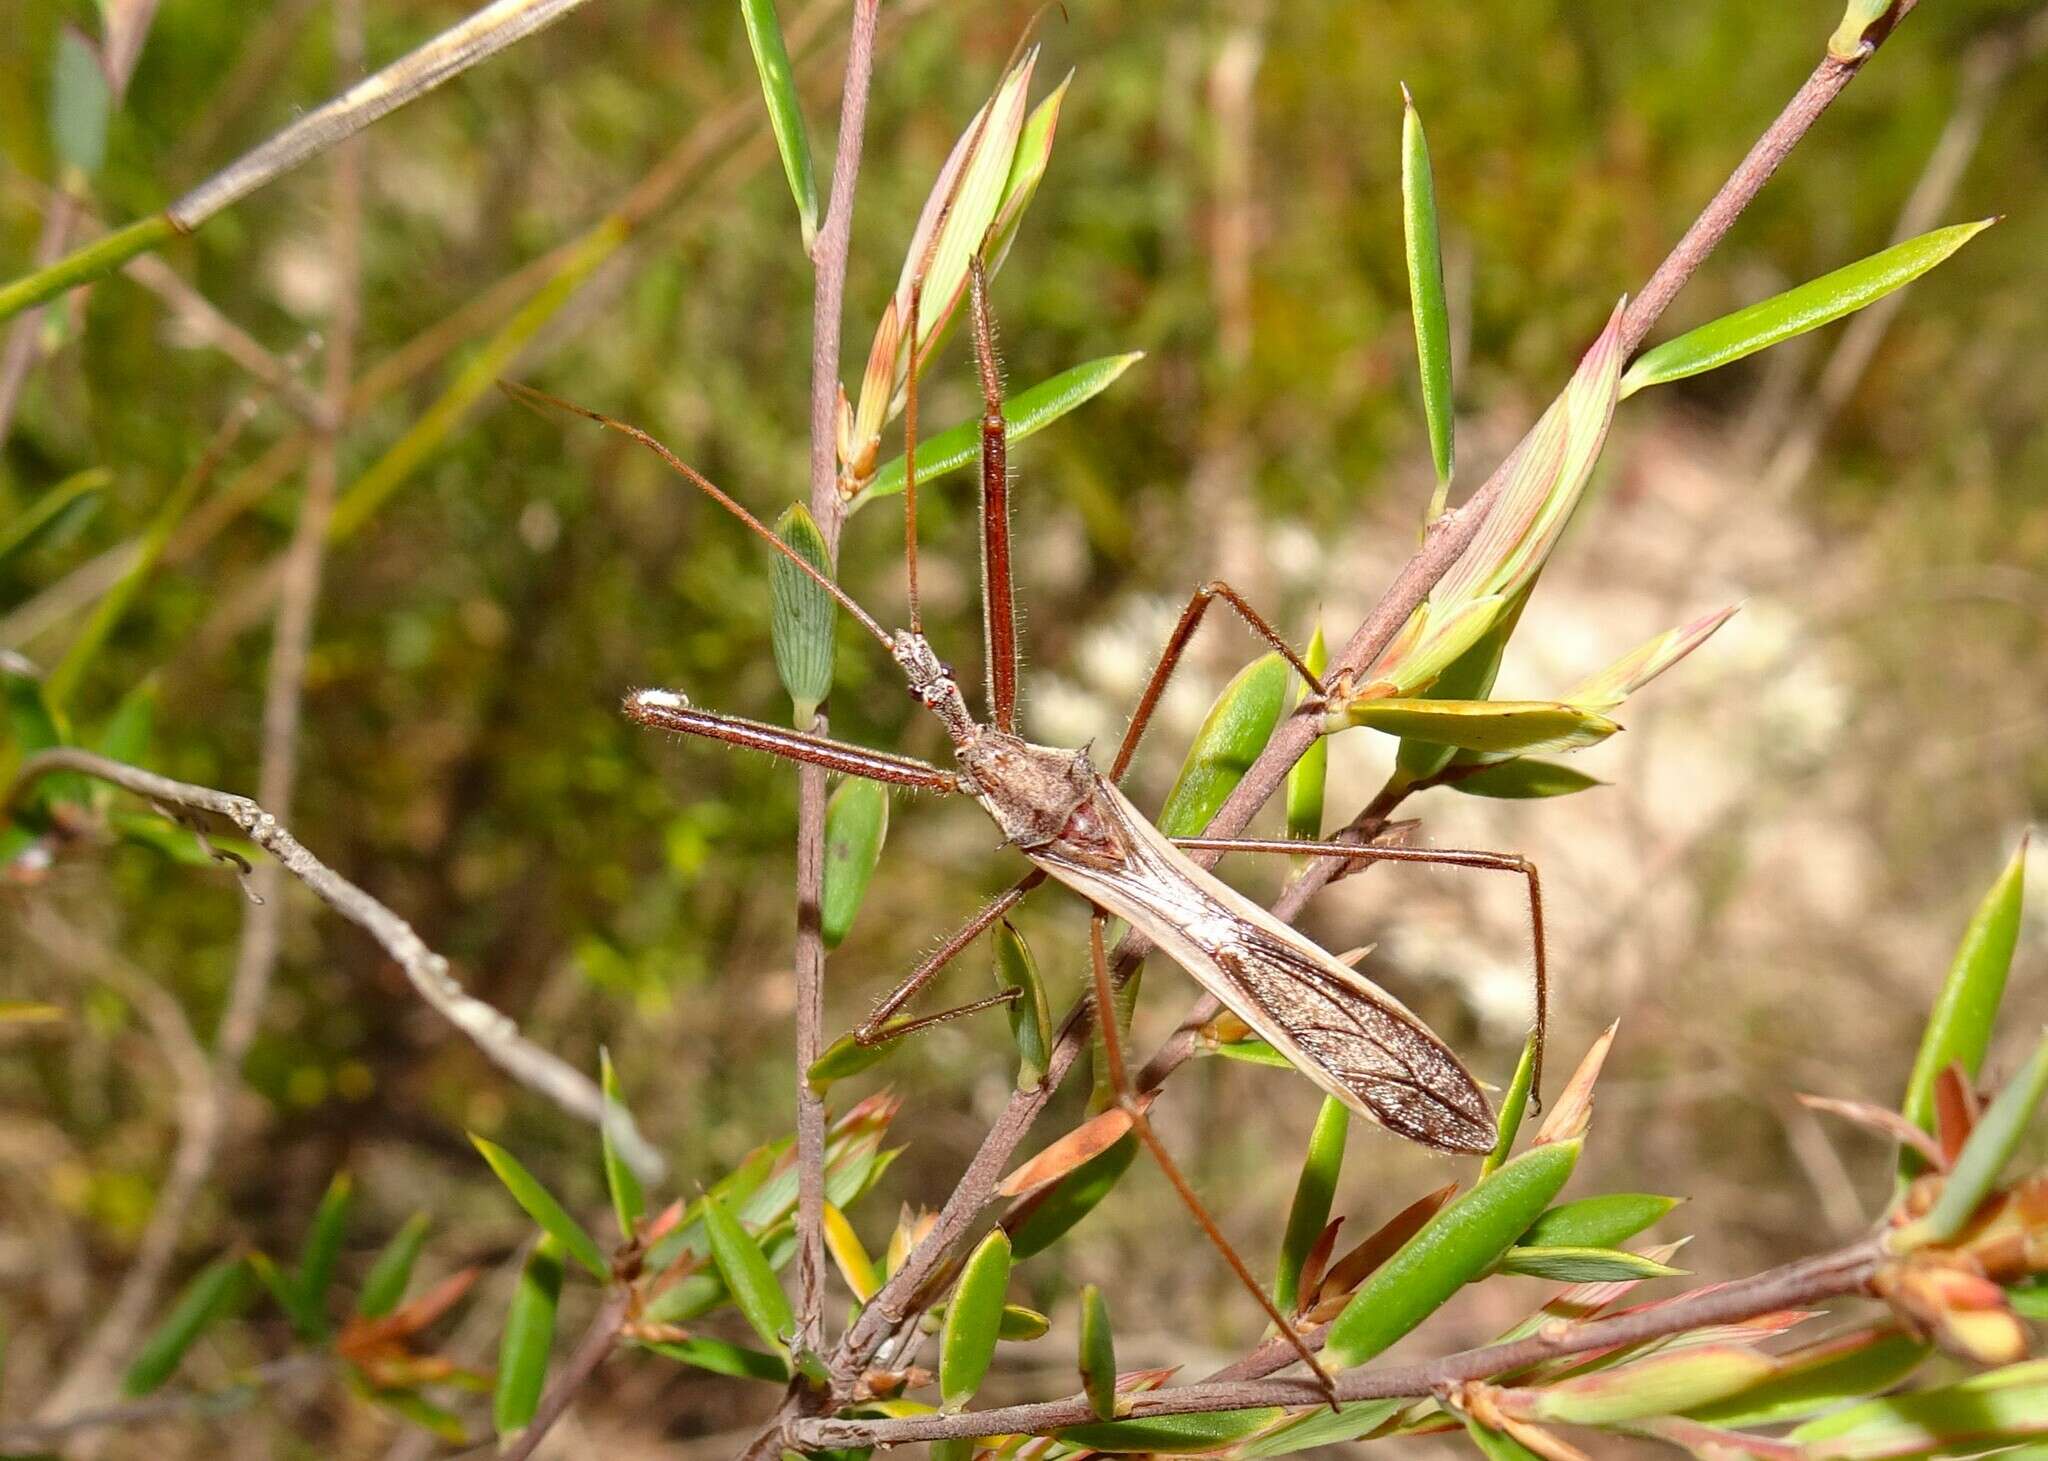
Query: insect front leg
point(667, 710)
point(1128, 1103)
point(874, 1029)
point(1360, 853)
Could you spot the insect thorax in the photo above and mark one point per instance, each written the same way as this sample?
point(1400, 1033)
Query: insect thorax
point(1042, 797)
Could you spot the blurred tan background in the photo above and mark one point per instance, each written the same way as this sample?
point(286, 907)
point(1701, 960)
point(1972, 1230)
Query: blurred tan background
point(1799, 820)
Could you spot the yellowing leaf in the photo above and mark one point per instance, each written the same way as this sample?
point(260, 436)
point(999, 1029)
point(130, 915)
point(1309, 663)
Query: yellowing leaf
point(1480, 725)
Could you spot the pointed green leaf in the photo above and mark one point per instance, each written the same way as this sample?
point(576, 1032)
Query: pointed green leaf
point(1250, 1052)
point(1823, 1377)
point(1171, 1435)
point(785, 111)
point(218, 1290)
point(2008, 1405)
point(1522, 779)
point(1992, 1142)
point(845, 1246)
point(1796, 311)
point(2029, 1300)
point(415, 1409)
point(1426, 292)
point(1236, 730)
point(284, 1289)
point(1044, 1218)
point(1313, 1192)
point(392, 1271)
point(951, 1448)
point(1027, 170)
point(856, 825)
point(1469, 677)
point(1497, 1445)
point(1480, 725)
point(748, 1275)
point(317, 1258)
point(974, 1320)
point(1598, 1222)
point(80, 104)
point(1587, 1264)
point(1030, 1012)
point(846, 1056)
point(1098, 1353)
point(1320, 1427)
point(1021, 1325)
point(801, 630)
point(1308, 776)
point(529, 1335)
point(721, 1358)
point(1959, 1029)
point(127, 733)
point(541, 1206)
point(1846, 44)
point(1025, 414)
point(628, 1201)
point(59, 505)
point(1464, 1240)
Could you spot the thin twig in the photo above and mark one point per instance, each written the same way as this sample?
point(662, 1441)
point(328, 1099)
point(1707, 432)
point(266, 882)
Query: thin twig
point(828, 257)
point(1793, 1286)
point(494, 1033)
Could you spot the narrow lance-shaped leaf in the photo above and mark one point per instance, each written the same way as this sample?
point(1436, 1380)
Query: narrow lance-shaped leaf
point(748, 1275)
point(1313, 1193)
point(1796, 311)
point(1606, 690)
point(1461, 1242)
point(1234, 733)
point(322, 1248)
point(1027, 170)
point(801, 630)
point(973, 1320)
point(1098, 1353)
point(2004, 1405)
point(1470, 677)
point(1024, 414)
point(541, 1206)
point(1658, 1385)
point(1991, 1145)
point(1598, 1222)
point(1426, 294)
point(1847, 43)
point(1496, 1445)
point(217, 1291)
point(1480, 725)
point(856, 825)
point(1513, 1106)
point(1820, 1377)
point(1322, 1427)
point(127, 733)
point(1959, 1029)
point(529, 1335)
point(56, 507)
point(392, 1271)
point(80, 104)
point(846, 1056)
point(628, 1201)
point(1030, 1012)
point(1043, 1218)
point(1522, 778)
point(1584, 1264)
point(1308, 777)
point(845, 1246)
point(1171, 1435)
point(785, 111)
point(721, 1358)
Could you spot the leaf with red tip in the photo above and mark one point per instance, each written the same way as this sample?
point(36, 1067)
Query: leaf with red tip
point(1573, 1111)
point(1090, 1139)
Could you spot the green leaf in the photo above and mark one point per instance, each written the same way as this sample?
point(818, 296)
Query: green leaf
point(1044, 1218)
point(846, 1056)
point(2009, 1404)
point(1171, 1435)
point(317, 1258)
point(541, 1206)
point(80, 104)
point(785, 112)
point(722, 1358)
point(392, 1271)
point(1470, 677)
point(1426, 292)
point(974, 1320)
point(1959, 1029)
point(628, 1201)
point(1674, 1380)
point(51, 510)
point(1796, 311)
point(1025, 414)
point(801, 629)
point(1098, 1353)
point(1308, 776)
point(856, 825)
point(285, 1291)
point(218, 1290)
point(748, 1275)
point(1313, 1192)
point(2029, 1300)
point(1598, 1222)
point(128, 731)
point(1846, 44)
point(1497, 1445)
point(1584, 1264)
point(1027, 170)
point(1992, 1142)
point(1236, 730)
point(1523, 779)
point(415, 1409)
point(35, 724)
point(1322, 1428)
point(1460, 1243)
point(1030, 1013)
point(1480, 725)
point(529, 1335)
point(1021, 1325)
point(1826, 1375)
point(1250, 1052)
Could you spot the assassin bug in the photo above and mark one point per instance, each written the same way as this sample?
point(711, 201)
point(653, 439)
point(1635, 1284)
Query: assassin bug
point(1354, 1040)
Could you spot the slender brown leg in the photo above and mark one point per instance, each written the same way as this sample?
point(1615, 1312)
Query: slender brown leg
point(666, 710)
point(998, 600)
point(1127, 1101)
point(872, 1031)
point(1176, 646)
point(1442, 856)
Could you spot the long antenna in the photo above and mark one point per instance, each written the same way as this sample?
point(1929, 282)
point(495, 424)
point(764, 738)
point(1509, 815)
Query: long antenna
point(910, 459)
point(528, 396)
